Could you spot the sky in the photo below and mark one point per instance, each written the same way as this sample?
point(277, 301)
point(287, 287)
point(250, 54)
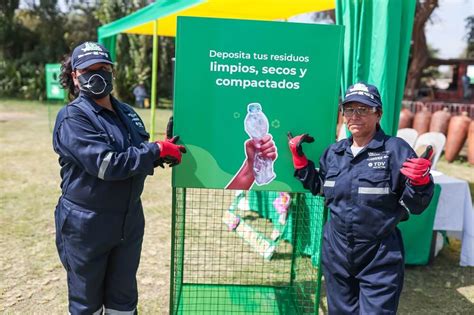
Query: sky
point(448, 31)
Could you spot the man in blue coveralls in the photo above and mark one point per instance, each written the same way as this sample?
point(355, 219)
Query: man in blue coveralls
point(371, 182)
point(105, 157)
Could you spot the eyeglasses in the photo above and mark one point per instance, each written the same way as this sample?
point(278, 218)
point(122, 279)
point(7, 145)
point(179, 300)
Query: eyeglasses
point(361, 111)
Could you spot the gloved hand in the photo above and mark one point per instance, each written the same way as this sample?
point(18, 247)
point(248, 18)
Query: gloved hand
point(418, 169)
point(299, 159)
point(169, 134)
point(170, 152)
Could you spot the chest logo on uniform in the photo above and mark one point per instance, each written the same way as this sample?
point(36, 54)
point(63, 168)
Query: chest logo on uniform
point(134, 117)
point(378, 160)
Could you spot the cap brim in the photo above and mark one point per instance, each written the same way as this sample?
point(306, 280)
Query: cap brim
point(91, 62)
point(361, 99)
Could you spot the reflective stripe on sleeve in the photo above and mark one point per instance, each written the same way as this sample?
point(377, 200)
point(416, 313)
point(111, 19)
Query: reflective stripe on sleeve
point(98, 312)
point(109, 311)
point(104, 165)
point(374, 190)
point(329, 183)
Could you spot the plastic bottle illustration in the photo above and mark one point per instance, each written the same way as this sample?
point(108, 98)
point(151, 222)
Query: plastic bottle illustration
point(256, 126)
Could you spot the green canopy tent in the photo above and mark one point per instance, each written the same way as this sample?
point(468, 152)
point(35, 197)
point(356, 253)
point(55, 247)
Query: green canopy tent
point(159, 18)
point(377, 44)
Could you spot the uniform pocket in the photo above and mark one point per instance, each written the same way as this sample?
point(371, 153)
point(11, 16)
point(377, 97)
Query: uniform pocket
point(330, 183)
point(60, 216)
point(374, 187)
point(79, 223)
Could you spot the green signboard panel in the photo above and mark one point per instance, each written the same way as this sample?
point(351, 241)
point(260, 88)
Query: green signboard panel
point(54, 90)
point(241, 82)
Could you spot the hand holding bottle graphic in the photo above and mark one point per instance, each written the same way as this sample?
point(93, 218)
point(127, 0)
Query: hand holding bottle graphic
point(260, 151)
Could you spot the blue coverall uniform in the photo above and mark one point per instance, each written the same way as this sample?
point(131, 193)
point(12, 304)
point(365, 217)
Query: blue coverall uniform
point(367, 197)
point(104, 158)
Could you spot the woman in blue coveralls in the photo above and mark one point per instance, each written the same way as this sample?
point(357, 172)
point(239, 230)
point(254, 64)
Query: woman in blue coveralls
point(371, 182)
point(105, 157)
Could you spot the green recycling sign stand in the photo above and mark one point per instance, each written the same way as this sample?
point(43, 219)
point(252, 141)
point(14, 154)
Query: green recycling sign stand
point(54, 90)
point(246, 235)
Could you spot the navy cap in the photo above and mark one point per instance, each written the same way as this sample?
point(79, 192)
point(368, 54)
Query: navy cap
point(89, 53)
point(366, 94)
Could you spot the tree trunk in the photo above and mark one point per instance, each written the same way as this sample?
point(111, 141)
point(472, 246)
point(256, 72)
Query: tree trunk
point(419, 53)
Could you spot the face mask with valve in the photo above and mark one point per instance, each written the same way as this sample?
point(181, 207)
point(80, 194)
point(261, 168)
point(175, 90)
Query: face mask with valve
point(96, 84)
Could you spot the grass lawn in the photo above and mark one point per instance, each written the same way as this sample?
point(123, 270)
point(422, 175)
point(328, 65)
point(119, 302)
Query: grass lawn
point(32, 280)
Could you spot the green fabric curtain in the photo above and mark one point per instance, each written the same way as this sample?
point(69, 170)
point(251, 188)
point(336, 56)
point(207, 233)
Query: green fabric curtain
point(376, 48)
point(110, 44)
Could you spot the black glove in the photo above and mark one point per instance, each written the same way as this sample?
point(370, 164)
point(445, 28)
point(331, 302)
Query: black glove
point(169, 128)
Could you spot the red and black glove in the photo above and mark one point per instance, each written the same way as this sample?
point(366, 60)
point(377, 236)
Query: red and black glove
point(299, 159)
point(170, 152)
point(418, 169)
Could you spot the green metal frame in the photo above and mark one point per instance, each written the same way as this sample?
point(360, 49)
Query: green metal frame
point(320, 273)
point(215, 271)
point(154, 80)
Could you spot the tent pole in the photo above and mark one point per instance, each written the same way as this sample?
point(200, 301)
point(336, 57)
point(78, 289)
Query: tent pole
point(154, 76)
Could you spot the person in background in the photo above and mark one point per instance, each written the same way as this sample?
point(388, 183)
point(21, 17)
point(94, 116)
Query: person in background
point(371, 182)
point(466, 86)
point(140, 94)
point(105, 156)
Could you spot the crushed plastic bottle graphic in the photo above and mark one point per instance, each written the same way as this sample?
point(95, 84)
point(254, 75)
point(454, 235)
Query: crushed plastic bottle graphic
point(256, 126)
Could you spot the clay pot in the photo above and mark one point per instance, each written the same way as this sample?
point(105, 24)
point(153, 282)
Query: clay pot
point(440, 121)
point(406, 118)
point(421, 123)
point(457, 134)
point(470, 144)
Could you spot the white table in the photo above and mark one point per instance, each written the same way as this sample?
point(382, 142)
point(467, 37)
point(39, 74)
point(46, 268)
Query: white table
point(455, 213)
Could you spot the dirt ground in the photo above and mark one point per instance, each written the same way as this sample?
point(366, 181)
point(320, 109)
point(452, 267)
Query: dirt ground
point(32, 280)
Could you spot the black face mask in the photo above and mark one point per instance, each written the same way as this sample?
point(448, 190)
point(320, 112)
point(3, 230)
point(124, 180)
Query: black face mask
point(96, 84)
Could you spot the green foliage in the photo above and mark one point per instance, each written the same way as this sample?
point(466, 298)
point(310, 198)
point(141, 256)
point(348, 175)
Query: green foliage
point(134, 53)
point(23, 80)
point(40, 33)
point(80, 25)
point(30, 39)
point(470, 36)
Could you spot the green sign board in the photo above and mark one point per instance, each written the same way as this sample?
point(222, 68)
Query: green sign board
point(240, 86)
point(54, 90)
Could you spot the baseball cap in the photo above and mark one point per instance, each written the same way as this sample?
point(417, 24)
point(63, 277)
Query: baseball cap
point(364, 93)
point(89, 53)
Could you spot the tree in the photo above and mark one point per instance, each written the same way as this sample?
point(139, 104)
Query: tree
point(81, 23)
point(419, 49)
point(134, 52)
point(470, 36)
point(165, 78)
point(30, 37)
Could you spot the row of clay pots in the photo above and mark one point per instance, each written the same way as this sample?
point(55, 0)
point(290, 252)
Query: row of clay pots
point(456, 128)
point(424, 121)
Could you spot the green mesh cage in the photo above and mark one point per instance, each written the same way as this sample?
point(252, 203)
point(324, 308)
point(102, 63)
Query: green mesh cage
point(262, 264)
